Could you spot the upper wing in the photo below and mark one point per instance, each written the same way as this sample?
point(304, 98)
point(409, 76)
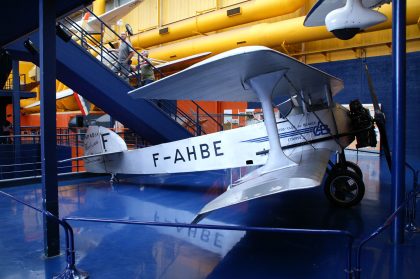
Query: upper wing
point(224, 77)
point(308, 173)
point(180, 64)
point(316, 16)
point(167, 68)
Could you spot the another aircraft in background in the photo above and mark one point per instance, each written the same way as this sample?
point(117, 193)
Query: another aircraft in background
point(93, 25)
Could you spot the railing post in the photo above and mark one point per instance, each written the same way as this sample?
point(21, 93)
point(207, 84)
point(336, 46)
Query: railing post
point(77, 150)
point(197, 121)
point(102, 41)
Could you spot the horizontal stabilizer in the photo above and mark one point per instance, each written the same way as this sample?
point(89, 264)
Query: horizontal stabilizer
point(308, 173)
point(88, 156)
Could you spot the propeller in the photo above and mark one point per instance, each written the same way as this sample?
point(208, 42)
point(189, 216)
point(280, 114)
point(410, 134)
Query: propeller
point(379, 119)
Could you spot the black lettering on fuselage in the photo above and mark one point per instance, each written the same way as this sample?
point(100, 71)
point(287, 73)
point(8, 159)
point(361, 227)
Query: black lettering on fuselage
point(216, 148)
point(178, 156)
point(155, 158)
point(104, 140)
point(191, 153)
point(204, 148)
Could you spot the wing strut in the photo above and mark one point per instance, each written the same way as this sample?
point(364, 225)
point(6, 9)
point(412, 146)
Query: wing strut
point(264, 85)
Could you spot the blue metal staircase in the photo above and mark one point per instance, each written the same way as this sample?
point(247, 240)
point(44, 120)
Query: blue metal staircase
point(94, 81)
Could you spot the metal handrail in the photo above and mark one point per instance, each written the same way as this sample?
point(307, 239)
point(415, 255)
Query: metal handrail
point(82, 38)
point(190, 123)
point(9, 82)
point(346, 234)
point(71, 252)
point(131, 47)
point(209, 115)
point(153, 67)
point(385, 225)
point(114, 58)
point(71, 271)
point(26, 165)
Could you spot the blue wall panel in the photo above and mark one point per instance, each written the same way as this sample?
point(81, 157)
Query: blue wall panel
point(380, 68)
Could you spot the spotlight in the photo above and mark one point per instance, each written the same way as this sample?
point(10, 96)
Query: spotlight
point(62, 32)
point(29, 45)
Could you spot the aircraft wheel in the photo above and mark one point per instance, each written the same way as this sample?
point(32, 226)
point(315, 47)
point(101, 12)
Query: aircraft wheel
point(349, 166)
point(344, 188)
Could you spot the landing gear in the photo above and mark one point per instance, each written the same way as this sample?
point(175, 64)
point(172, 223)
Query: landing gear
point(347, 165)
point(344, 188)
point(344, 185)
point(114, 178)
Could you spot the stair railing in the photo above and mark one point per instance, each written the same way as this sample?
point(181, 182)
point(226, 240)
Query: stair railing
point(86, 39)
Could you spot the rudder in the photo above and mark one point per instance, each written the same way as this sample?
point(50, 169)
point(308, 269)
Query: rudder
point(100, 140)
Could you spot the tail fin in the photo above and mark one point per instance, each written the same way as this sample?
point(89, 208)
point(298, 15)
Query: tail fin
point(102, 142)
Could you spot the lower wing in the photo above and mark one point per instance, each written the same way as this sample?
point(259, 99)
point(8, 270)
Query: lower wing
point(308, 173)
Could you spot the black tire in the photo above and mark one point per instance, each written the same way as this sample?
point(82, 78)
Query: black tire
point(344, 188)
point(349, 166)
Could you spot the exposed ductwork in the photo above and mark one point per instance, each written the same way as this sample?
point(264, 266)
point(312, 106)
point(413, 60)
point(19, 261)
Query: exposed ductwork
point(98, 7)
point(217, 20)
point(268, 34)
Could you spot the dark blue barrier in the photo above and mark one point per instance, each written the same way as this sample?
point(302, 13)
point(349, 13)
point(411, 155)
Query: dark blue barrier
point(346, 234)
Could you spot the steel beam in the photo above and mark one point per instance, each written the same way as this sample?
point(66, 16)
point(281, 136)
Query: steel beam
point(47, 60)
point(16, 99)
point(398, 88)
point(16, 113)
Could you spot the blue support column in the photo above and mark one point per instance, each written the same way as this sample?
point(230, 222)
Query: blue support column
point(16, 100)
point(398, 88)
point(16, 115)
point(47, 60)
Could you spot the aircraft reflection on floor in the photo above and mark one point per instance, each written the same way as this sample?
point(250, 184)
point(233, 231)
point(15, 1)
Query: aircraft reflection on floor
point(129, 251)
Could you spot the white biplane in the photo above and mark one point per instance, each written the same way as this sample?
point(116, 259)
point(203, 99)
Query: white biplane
point(292, 152)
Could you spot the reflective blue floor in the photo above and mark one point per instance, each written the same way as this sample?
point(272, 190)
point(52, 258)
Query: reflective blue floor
point(129, 251)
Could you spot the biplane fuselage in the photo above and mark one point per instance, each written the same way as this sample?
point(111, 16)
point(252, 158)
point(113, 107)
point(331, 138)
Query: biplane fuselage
point(292, 152)
point(246, 146)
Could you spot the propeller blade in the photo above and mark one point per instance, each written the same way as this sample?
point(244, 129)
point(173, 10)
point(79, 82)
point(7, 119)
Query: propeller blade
point(384, 142)
point(372, 91)
point(379, 119)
